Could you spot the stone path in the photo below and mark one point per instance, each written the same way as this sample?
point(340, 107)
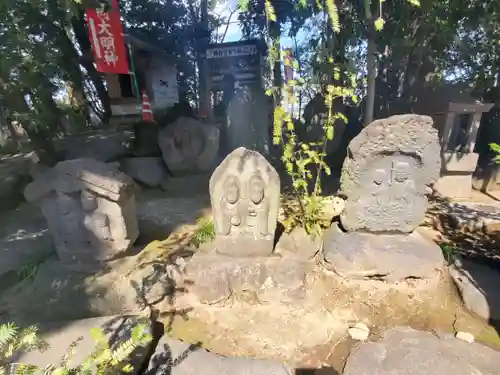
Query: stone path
point(400, 350)
point(404, 351)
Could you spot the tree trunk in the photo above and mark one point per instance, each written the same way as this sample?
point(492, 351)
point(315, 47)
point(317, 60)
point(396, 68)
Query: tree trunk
point(81, 36)
point(275, 33)
point(371, 61)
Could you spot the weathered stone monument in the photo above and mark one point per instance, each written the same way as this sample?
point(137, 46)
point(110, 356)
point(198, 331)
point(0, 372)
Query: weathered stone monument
point(189, 145)
point(89, 207)
point(248, 121)
point(390, 167)
point(245, 194)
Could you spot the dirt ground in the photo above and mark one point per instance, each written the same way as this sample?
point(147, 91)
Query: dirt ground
point(312, 334)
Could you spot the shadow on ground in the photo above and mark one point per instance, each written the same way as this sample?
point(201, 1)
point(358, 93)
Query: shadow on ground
point(471, 246)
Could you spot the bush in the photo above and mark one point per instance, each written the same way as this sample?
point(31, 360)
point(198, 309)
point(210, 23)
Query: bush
point(103, 360)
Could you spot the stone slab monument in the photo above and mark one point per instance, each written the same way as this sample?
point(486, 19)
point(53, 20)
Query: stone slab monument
point(390, 167)
point(189, 145)
point(248, 121)
point(245, 195)
point(89, 207)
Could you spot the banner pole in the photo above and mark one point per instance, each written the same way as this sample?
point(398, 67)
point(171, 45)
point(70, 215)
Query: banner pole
point(134, 77)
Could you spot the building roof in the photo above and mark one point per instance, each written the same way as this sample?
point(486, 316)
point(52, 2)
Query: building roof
point(143, 43)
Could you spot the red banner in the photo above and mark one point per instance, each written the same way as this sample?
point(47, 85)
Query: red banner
point(106, 37)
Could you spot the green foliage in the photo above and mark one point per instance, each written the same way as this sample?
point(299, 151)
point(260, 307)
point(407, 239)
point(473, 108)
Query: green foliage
point(305, 162)
point(495, 147)
point(102, 361)
point(205, 231)
point(449, 252)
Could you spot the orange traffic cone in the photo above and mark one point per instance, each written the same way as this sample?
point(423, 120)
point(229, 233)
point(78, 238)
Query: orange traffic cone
point(147, 112)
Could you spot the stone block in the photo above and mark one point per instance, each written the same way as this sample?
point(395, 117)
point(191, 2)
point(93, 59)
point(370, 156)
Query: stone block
point(216, 277)
point(456, 162)
point(175, 357)
point(390, 257)
point(89, 207)
point(405, 351)
point(455, 186)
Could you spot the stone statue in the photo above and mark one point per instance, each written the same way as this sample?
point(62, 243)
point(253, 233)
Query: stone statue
point(386, 177)
point(244, 192)
point(89, 207)
point(189, 145)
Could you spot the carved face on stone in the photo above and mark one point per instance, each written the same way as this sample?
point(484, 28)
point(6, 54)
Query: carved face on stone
point(256, 189)
point(232, 190)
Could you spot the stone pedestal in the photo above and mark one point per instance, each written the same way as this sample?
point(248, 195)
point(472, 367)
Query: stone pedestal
point(456, 175)
point(392, 257)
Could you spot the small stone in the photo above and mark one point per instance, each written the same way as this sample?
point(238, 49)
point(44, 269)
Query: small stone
point(359, 332)
point(465, 336)
point(149, 171)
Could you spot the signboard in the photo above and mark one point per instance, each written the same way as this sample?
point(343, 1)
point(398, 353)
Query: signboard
point(240, 59)
point(106, 38)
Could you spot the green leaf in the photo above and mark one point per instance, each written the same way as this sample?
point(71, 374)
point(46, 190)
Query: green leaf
point(414, 2)
point(379, 24)
point(244, 5)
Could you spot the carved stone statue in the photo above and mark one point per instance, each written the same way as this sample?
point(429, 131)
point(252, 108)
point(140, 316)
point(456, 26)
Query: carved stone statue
point(89, 207)
point(387, 175)
point(189, 145)
point(245, 191)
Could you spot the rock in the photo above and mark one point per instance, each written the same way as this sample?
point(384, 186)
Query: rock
point(475, 217)
point(245, 195)
point(387, 174)
point(89, 207)
point(333, 207)
point(404, 351)
point(149, 171)
point(359, 332)
point(175, 357)
point(216, 278)
point(465, 336)
point(102, 146)
point(59, 335)
point(391, 257)
point(146, 139)
point(189, 145)
point(298, 243)
point(478, 287)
